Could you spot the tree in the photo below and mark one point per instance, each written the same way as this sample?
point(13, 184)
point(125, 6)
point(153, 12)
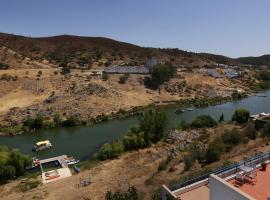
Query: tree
point(241, 116)
point(221, 118)
point(153, 123)
point(159, 75)
point(12, 163)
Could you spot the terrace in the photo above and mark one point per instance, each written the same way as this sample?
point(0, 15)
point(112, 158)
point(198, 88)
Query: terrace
point(247, 180)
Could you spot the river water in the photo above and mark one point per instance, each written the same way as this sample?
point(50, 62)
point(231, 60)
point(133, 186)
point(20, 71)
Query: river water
point(81, 142)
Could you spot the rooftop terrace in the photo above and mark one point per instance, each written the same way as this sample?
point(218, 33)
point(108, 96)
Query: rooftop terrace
point(254, 182)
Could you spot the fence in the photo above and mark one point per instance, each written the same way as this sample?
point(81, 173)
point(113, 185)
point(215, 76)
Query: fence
point(224, 171)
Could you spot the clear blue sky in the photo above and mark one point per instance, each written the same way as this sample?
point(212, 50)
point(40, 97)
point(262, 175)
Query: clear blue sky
point(229, 27)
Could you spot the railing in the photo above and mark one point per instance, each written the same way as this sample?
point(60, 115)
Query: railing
point(233, 168)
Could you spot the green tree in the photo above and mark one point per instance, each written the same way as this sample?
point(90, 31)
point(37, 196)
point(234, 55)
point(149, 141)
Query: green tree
point(241, 116)
point(153, 123)
point(221, 118)
point(160, 74)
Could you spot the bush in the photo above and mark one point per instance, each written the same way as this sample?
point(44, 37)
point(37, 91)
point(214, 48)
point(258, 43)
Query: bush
point(110, 151)
point(203, 121)
point(35, 123)
point(189, 161)
point(231, 138)
point(71, 121)
point(250, 131)
point(266, 130)
point(104, 152)
point(105, 77)
point(133, 141)
point(57, 118)
point(183, 125)
point(241, 116)
point(214, 151)
point(123, 79)
point(131, 194)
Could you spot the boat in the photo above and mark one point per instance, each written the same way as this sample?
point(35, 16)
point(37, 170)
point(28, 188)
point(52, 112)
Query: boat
point(42, 145)
point(71, 161)
point(190, 109)
point(179, 111)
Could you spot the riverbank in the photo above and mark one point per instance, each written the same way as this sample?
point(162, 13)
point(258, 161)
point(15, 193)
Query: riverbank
point(183, 103)
point(145, 169)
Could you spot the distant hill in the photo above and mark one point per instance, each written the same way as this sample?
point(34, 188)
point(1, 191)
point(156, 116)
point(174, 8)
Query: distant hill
point(261, 60)
point(99, 51)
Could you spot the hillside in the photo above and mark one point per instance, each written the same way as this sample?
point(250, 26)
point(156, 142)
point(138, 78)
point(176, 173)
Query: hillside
point(95, 51)
point(99, 52)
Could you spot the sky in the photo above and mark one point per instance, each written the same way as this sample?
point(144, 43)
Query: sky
point(229, 27)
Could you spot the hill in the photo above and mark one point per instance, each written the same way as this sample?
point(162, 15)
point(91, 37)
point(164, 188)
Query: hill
point(100, 52)
point(96, 51)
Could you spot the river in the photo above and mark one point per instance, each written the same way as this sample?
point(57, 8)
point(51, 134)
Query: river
point(81, 142)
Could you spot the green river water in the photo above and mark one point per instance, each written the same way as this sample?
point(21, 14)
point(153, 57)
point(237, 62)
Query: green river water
point(81, 142)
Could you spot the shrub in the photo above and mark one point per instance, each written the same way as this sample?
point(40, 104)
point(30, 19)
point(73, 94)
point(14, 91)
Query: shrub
point(105, 77)
point(189, 161)
point(203, 121)
point(183, 125)
point(266, 130)
point(250, 131)
point(35, 123)
point(131, 194)
point(57, 118)
point(214, 151)
point(104, 152)
point(133, 141)
point(71, 121)
point(117, 148)
point(241, 116)
point(123, 79)
point(231, 138)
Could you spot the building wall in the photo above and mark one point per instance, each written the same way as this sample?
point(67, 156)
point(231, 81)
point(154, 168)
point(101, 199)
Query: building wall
point(222, 190)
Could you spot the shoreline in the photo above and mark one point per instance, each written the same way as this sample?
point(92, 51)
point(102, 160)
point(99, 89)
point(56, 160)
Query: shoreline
point(122, 114)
